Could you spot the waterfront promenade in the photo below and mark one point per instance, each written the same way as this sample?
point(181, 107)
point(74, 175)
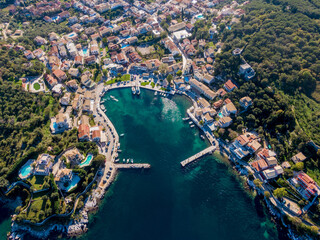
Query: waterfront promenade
point(195, 157)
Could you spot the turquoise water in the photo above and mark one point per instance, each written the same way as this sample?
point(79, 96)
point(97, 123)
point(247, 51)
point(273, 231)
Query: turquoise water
point(85, 51)
point(26, 170)
point(125, 45)
point(73, 182)
point(205, 201)
point(5, 221)
point(87, 161)
point(199, 16)
point(220, 115)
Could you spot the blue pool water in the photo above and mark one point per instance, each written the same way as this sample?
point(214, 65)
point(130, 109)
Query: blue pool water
point(125, 45)
point(26, 170)
point(55, 18)
point(71, 35)
point(199, 16)
point(87, 161)
point(73, 183)
point(54, 125)
point(229, 27)
point(220, 115)
point(186, 79)
point(85, 51)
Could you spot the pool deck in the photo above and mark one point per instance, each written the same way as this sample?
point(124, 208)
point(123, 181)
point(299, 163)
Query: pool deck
point(29, 162)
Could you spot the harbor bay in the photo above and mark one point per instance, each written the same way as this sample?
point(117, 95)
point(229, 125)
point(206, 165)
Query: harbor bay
point(202, 201)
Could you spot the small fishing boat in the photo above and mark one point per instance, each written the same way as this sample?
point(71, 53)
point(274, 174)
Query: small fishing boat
point(133, 89)
point(155, 93)
point(117, 160)
point(190, 122)
point(192, 125)
point(131, 160)
point(202, 137)
point(119, 150)
point(122, 134)
point(123, 160)
point(128, 160)
point(138, 90)
point(185, 119)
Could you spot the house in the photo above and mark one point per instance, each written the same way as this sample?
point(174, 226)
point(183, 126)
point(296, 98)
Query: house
point(121, 58)
point(309, 186)
point(245, 102)
point(76, 103)
point(78, 60)
point(62, 123)
point(60, 75)
point(64, 175)
point(51, 81)
point(96, 133)
point(300, 157)
point(247, 71)
point(74, 72)
point(86, 80)
point(224, 122)
point(229, 86)
point(270, 174)
point(90, 60)
point(132, 40)
point(203, 89)
point(65, 100)
point(43, 165)
point(177, 27)
point(73, 156)
point(228, 109)
point(87, 106)
point(189, 27)
point(207, 78)
point(72, 85)
point(40, 41)
point(28, 54)
point(84, 132)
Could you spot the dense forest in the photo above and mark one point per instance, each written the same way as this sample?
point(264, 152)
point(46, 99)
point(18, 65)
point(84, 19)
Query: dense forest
point(281, 42)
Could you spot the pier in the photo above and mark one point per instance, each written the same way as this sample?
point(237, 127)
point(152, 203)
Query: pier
point(132, 165)
point(195, 157)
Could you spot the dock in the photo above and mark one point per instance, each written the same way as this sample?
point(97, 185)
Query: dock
point(132, 165)
point(195, 157)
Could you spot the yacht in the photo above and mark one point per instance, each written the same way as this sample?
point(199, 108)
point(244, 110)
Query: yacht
point(192, 125)
point(190, 122)
point(133, 89)
point(122, 134)
point(155, 93)
point(131, 160)
point(185, 119)
point(123, 160)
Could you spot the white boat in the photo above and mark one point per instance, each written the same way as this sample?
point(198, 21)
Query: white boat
point(128, 160)
point(133, 90)
point(202, 137)
point(122, 134)
point(155, 93)
point(119, 150)
point(131, 160)
point(138, 90)
point(113, 98)
point(192, 126)
point(185, 119)
point(117, 160)
point(123, 160)
point(190, 122)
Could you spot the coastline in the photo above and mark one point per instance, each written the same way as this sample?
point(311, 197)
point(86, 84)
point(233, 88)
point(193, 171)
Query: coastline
point(93, 202)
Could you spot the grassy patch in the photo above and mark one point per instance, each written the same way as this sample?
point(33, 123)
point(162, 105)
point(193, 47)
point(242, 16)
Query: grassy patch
point(36, 86)
point(153, 84)
point(37, 182)
point(145, 83)
point(125, 77)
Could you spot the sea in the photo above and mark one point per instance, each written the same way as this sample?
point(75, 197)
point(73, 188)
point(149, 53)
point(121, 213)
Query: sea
point(204, 201)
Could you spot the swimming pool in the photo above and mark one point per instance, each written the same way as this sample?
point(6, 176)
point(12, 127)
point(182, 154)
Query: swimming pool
point(125, 45)
point(54, 125)
point(199, 16)
point(87, 161)
point(220, 115)
point(26, 170)
point(73, 183)
point(55, 18)
point(85, 51)
point(186, 79)
point(71, 35)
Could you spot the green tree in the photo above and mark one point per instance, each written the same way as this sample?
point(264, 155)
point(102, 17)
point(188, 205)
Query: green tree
point(280, 192)
point(257, 183)
point(179, 73)
point(170, 78)
point(267, 194)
